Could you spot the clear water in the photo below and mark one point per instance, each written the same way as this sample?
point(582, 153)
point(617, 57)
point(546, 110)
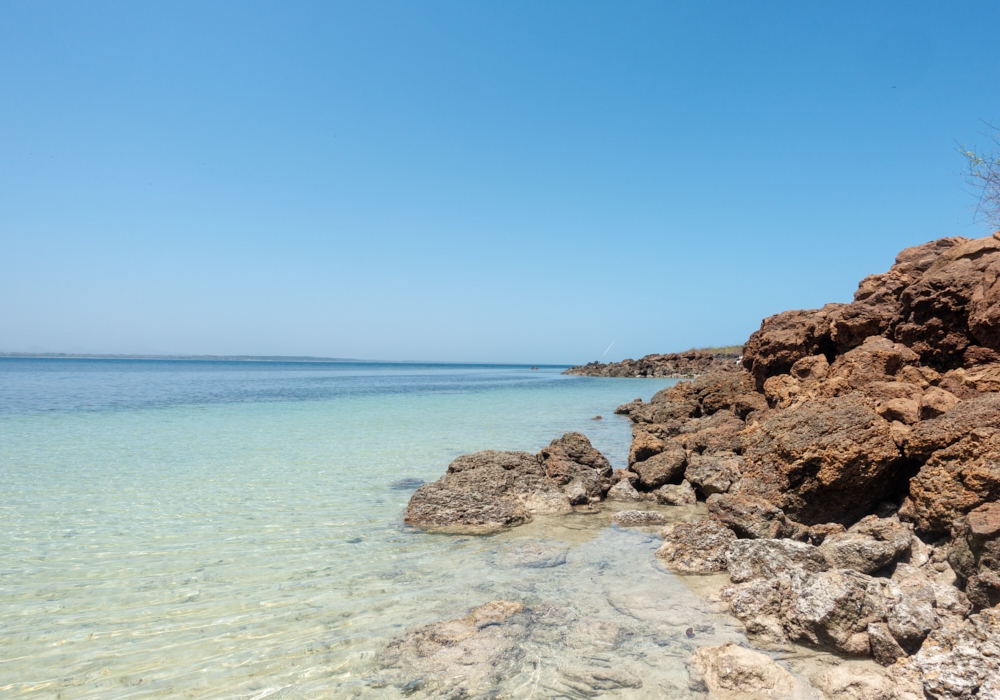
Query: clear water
point(224, 530)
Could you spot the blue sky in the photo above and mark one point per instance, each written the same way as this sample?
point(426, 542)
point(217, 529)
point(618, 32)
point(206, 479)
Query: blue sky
point(470, 181)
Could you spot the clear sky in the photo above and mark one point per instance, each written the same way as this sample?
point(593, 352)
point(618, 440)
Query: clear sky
point(470, 181)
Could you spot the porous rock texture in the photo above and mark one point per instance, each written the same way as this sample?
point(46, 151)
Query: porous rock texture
point(731, 672)
point(489, 491)
point(854, 460)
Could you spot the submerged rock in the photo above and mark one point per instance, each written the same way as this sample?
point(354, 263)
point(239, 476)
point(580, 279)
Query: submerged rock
point(731, 672)
point(638, 518)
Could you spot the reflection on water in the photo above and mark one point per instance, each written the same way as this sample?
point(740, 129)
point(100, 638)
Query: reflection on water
point(186, 548)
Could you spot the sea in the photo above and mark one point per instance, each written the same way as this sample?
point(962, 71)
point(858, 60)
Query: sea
point(216, 529)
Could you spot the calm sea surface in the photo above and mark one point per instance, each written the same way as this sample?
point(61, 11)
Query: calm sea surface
point(234, 529)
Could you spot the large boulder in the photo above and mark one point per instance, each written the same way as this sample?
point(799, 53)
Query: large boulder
point(954, 481)
point(713, 473)
point(661, 468)
point(484, 492)
point(748, 516)
point(827, 460)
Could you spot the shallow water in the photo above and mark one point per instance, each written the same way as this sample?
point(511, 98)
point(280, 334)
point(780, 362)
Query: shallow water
point(208, 529)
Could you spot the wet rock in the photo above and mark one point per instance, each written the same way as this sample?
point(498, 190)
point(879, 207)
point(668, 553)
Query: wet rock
point(828, 460)
point(592, 681)
point(699, 547)
point(623, 491)
point(661, 468)
point(462, 657)
point(676, 495)
point(747, 516)
point(768, 558)
point(531, 555)
point(486, 492)
point(731, 672)
point(868, 545)
point(962, 660)
point(713, 473)
point(638, 518)
point(861, 681)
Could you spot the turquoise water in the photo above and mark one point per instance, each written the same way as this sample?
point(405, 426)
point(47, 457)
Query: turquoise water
point(211, 530)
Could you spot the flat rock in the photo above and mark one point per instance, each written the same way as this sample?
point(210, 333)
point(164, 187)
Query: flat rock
point(638, 518)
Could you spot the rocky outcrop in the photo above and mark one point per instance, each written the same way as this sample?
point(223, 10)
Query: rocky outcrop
point(489, 491)
point(963, 660)
point(681, 365)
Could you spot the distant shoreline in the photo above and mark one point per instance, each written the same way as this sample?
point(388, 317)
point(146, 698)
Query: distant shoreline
point(305, 359)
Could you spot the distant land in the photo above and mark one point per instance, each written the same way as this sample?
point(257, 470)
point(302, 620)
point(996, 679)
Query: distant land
point(243, 358)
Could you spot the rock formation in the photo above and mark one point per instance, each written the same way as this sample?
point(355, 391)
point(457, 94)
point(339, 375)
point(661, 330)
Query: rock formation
point(682, 365)
point(489, 491)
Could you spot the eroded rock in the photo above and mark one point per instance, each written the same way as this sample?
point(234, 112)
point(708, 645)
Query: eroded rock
point(699, 547)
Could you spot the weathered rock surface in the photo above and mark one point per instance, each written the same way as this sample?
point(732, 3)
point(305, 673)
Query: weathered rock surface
point(963, 660)
point(680, 365)
point(828, 460)
point(488, 491)
point(715, 472)
point(623, 491)
point(699, 547)
point(661, 468)
point(975, 554)
point(731, 672)
point(767, 559)
point(868, 545)
point(638, 518)
point(681, 494)
point(854, 680)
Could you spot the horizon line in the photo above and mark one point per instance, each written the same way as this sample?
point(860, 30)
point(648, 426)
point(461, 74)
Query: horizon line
point(250, 358)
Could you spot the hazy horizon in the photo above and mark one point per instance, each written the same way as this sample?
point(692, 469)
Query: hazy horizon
point(506, 183)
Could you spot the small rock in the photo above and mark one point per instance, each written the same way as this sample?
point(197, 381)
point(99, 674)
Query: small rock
point(623, 491)
point(638, 518)
point(731, 672)
point(676, 495)
point(885, 648)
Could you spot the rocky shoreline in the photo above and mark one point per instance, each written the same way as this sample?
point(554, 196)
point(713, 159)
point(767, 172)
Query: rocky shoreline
point(850, 464)
point(681, 365)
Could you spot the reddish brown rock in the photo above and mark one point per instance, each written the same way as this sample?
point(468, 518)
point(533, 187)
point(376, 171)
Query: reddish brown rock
point(935, 402)
point(644, 446)
point(785, 339)
point(572, 460)
point(981, 413)
point(661, 468)
point(828, 460)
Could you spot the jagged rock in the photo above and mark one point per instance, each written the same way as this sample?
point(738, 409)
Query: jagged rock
point(571, 459)
point(747, 516)
point(834, 608)
point(626, 408)
point(671, 366)
point(954, 480)
point(638, 518)
point(963, 660)
point(676, 494)
point(868, 545)
point(768, 558)
point(785, 339)
point(731, 672)
point(665, 466)
point(826, 460)
point(644, 446)
point(975, 554)
point(910, 620)
point(623, 491)
point(719, 432)
point(980, 414)
point(885, 648)
point(699, 547)
point(935, 402)
point(877, 359)
point(713, 473)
